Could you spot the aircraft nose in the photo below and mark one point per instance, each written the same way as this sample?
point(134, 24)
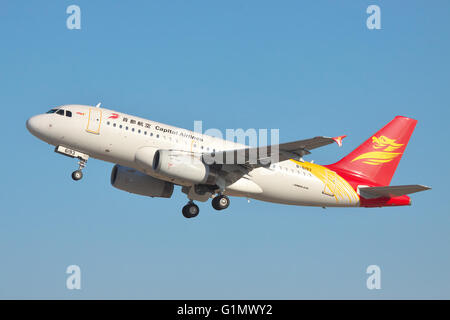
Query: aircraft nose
point(35, 125)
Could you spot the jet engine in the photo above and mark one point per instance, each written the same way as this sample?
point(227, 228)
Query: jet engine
point(183, 165)
point(134, 181)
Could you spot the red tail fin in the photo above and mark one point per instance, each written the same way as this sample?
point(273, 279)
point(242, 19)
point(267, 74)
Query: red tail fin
point(378, 157)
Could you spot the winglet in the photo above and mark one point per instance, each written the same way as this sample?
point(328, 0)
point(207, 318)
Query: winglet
point(338, 140)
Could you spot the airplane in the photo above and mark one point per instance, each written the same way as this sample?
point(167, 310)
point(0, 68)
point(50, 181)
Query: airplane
point(150, 158)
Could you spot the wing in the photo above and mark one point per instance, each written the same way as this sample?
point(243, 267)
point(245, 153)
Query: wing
point(390, 191)
point(267, 154)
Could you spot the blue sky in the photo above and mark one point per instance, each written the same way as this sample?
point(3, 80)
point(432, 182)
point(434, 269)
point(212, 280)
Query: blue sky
point(308, 68)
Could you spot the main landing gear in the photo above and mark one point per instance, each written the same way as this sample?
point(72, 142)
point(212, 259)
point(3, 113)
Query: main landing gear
point(190, 210)
point(203, 193)
point(220, 202)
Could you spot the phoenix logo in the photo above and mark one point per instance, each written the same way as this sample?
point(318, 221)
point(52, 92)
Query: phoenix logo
point(379, 157)
point(113, 116)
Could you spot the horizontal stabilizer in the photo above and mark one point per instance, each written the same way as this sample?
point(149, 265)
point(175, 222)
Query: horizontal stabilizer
point(390, 191)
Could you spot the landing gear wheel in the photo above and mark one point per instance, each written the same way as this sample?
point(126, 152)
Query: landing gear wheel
point(190, 210)
point(220, 202)
point(77, 175)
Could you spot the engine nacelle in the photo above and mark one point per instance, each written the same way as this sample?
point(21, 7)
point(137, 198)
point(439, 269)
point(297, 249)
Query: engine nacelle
point(134, 181)
point(183, 166)
point(144, 158)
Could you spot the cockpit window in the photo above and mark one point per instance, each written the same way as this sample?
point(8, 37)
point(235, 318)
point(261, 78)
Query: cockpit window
point(61, 112)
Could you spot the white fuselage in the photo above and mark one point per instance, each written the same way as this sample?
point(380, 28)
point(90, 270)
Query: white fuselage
point(103, 134)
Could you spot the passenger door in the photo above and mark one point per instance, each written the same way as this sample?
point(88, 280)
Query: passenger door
point(94, 120)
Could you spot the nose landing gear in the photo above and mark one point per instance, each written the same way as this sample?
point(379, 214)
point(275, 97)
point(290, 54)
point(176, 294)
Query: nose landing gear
point(78, 174)
point(83, 158)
